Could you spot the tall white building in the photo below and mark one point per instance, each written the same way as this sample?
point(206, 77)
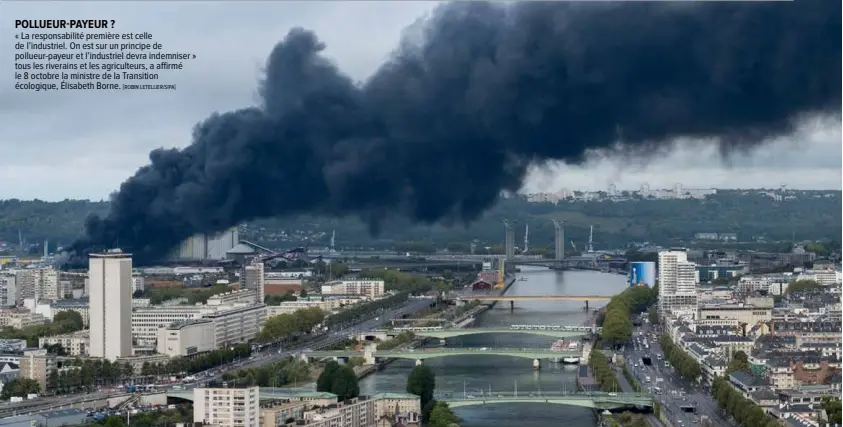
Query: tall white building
point(110, 304)
point(254, 278)
point(227, 407)
point(677, 282)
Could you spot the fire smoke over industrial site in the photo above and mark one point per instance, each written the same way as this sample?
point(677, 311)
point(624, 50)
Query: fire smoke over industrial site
point(467, 104)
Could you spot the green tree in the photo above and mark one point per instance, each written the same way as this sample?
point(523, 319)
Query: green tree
point(739, 363)
point(442, 416)
point(71, 318)
point(19, 387)
point(344, 384)
point(802, 286)
point(422, 383)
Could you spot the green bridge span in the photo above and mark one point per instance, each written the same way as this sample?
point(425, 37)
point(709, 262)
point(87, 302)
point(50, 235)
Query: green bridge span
point(450, 333)
point(597, 400)
point(421, 354)
point(603, 401)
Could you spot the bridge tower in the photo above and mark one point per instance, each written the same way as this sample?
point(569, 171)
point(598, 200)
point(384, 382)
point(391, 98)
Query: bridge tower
point(509, 242)
point(559, 241)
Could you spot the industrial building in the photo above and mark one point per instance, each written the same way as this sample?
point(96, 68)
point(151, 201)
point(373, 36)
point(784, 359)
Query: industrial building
point(207, 246)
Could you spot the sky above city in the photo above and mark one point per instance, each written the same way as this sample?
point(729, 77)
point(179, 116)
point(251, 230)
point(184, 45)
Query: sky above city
point(60, 145)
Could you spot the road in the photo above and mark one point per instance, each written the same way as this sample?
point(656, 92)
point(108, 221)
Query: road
point(379, 319)
point(675, 391)
point(325, 340)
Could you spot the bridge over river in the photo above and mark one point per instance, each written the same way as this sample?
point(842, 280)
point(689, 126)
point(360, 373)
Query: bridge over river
point(541, 330)
point(597, 400)
point(418, 355)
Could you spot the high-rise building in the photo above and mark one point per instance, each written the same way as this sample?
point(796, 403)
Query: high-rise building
point(110, 304)
point(677, 282)
point(8, 291)
point(253, 278)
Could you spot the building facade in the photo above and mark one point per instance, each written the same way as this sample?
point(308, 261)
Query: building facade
point(186, 338)
point(110, 304)
point(677, 282)
point(228, 407)
point(372, 288)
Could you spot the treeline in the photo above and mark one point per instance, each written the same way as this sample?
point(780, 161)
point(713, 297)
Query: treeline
point(19, 387)
point(64, 322)
point(685, 365)
point(157, 295)
point(616, 319)
point(289, 370)
point(199, 363)
point(291, 326)
point(603, 373)
point(743, 410)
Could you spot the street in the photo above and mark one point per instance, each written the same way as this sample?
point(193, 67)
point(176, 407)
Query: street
point(673, 392)
point(377, 320)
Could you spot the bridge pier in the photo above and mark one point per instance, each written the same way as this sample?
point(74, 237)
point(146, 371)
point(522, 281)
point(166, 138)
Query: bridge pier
point(537, 364)
point(512, 305)
point(586, 305)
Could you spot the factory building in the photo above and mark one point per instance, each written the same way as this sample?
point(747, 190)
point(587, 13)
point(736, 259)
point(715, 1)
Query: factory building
point(208, 246)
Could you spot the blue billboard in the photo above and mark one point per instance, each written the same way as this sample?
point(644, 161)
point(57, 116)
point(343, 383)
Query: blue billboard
point(642, 273)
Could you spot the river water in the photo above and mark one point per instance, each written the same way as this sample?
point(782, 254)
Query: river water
point(504, 374)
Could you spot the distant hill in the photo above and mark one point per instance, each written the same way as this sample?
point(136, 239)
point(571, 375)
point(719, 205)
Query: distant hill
point(803, 215)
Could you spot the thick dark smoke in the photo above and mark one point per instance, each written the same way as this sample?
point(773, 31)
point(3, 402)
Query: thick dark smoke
point(468, 103)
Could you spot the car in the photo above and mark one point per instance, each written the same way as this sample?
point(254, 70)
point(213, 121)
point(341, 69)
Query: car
point(613, 394)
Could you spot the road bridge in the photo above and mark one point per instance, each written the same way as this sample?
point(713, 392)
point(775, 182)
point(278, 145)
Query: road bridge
point(597, 400)
point(371, 355)
point(543, 330)
point(602, 401)
point(513, 298)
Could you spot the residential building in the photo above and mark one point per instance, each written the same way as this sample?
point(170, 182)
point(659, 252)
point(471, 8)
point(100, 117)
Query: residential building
point(8, 291)
point(372, 288)
point(237, 324)
point(38, 365)
point(110, 304)
point(748, 314)
point(227, 407)
point(244, 296)
point(253, 278)
point(75, 343)
point(186, 338)
point(677, 282)
point(138, 284)
point(20, 318)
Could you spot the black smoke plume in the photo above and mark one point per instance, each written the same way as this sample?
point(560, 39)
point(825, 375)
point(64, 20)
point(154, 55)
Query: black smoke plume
point(473, 98)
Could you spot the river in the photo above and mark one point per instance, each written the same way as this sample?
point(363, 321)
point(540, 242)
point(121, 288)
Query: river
point(504, 374)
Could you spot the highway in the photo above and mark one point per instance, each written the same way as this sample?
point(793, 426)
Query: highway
point(676, 391)
point(378, 319)
point(324, 340)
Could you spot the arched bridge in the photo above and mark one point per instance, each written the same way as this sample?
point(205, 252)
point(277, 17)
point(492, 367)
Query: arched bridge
point(603, 401)
point(542, 330)
point(524, 353)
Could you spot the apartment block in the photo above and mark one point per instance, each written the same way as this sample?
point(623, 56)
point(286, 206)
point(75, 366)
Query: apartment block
point(76, 343)
point(227, 407)
point(38, 365)
point(8, 290)
point(372, 288)
point(677, 282)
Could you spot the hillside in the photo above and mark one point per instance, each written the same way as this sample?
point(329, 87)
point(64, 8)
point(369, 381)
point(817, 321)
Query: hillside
point(805, 216)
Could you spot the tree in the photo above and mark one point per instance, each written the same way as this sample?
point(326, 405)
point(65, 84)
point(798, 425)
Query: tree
point(422, 383)
point(653, 315)
point(344, 384)
point(71, 318)
point(442, 416)
point(739, 363)
point(20, 387)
